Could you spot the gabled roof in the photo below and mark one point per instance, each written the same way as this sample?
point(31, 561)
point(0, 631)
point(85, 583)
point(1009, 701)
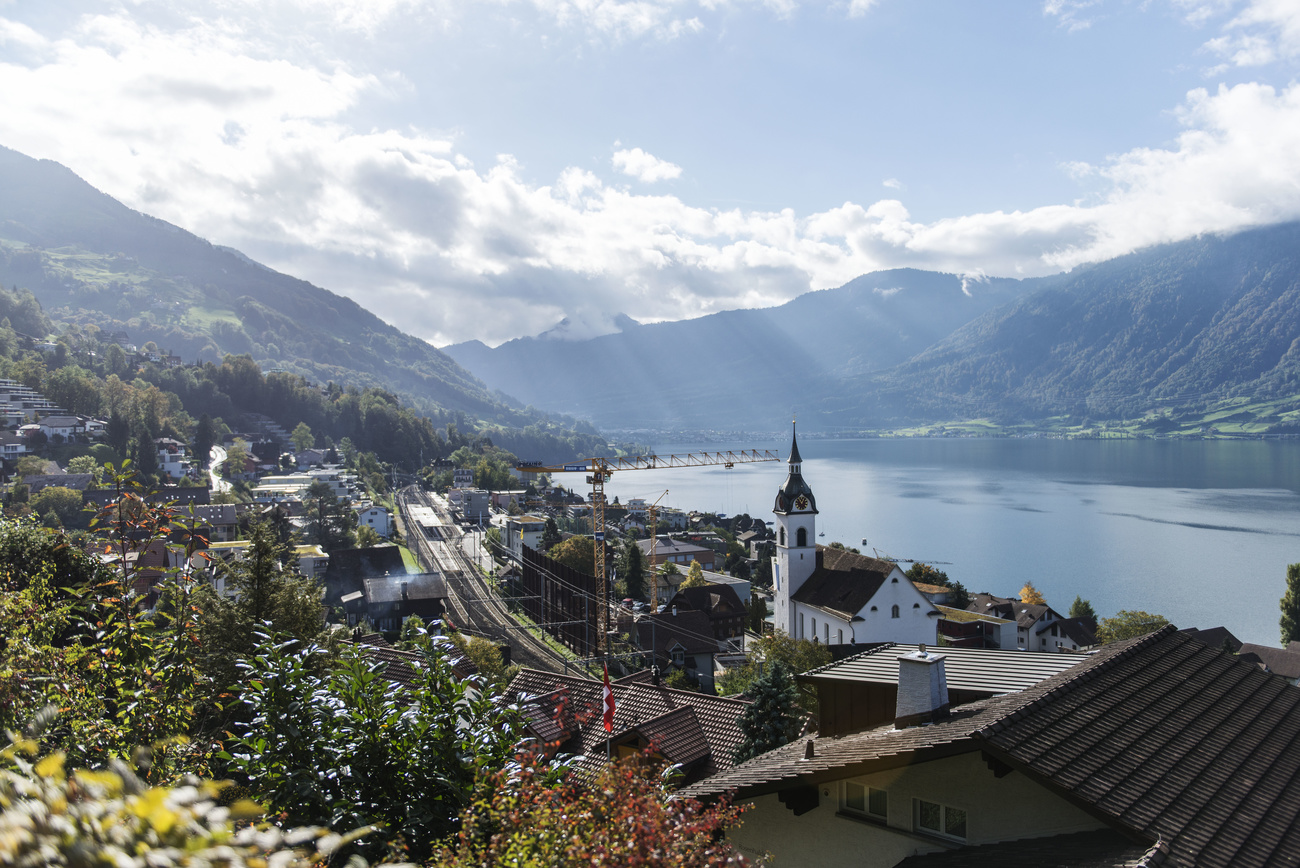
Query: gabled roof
point(412, 586)
point(686, 727)
point(1279, 661)
point(1104, 848)
point(689, 628)
point(984, 670)
point(844, 582)
point(1161, 738)
point(711, 599)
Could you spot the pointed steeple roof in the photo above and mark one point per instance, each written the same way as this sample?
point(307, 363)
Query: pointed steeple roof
point(794, 445)
point(794, 487)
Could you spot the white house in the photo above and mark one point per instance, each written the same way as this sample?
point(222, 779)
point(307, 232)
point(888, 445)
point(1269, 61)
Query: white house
point(524, 530)
point(369, 515)
point(835, 596)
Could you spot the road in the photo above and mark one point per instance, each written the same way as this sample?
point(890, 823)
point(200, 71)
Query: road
point(215, 456)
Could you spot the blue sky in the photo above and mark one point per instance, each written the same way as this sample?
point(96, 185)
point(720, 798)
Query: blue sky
point(485, 169)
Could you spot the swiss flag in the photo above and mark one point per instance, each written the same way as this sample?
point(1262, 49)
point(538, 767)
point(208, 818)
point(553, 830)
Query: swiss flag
point(608, 694)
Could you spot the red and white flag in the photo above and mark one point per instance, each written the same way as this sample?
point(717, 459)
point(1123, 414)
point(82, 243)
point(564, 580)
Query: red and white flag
point(608, 694)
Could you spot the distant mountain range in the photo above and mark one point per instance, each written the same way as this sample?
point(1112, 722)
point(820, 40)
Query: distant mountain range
point(90, 259)
point(1203, 329)
point(1178, 329)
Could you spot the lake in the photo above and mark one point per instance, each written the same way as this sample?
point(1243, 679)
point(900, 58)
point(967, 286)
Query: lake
point(1198, 531)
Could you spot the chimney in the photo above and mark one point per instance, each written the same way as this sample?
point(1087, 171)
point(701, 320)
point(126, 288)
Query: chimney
point(922, 689)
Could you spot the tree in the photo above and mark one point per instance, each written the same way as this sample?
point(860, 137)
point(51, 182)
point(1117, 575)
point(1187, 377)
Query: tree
point(551, 535)
point(768, 722)
point(330, 521)
point(1030, 594)
point(64, 503)
point(958, 596)
point(237, 455)
point(1128, 624)
point(205, 437)
point(623, 817)
point(694, 577)
point(117, 431)
point(797, 655)
point(367, 536)
point(427, 741)
point(576, 552)
point(145, 454)
point(631, 569)
point(1291, 605)
point(1081, 608)
point(927, 574)
point(302, 438)
point(86, 464)
point(757, 612)
point(31, 465)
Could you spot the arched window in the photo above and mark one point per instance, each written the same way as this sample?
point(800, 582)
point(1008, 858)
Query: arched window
point(782, 536)
point(814, 628)
point(803, 537)
point(893, 613)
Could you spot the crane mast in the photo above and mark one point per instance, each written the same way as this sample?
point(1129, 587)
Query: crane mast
point(599, 470)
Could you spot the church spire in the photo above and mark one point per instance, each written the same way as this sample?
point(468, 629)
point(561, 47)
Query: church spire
point(795, 495)
point(795, 460)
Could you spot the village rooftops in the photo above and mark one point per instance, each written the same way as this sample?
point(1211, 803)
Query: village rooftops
point(1160, 738)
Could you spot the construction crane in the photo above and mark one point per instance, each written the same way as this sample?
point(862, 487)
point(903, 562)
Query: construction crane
point(599, 470)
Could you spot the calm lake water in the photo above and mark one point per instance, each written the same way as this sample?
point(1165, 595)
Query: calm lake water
point(1200, 532)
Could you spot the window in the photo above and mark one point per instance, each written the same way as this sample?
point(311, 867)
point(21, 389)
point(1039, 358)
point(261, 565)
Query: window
point(782, 536)
point(864, 800)
point(679, 655)
point(893, 613)
point(814, 628)
point(803, 537)
point(940, 820)
point(826, 633)
point(801, 625)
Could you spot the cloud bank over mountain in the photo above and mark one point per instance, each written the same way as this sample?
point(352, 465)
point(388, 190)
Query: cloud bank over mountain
point(308, 135)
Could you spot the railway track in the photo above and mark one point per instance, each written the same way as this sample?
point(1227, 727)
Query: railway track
point(473, 605)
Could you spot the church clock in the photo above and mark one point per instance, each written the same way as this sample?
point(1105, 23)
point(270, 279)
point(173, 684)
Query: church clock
point(801, 503)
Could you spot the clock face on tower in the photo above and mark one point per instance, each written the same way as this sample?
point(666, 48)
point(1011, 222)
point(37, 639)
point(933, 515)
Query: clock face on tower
point(801, 502)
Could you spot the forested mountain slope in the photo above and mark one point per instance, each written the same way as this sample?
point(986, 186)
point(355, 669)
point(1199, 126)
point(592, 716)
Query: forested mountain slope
point(1183, 326)
point(90, 259)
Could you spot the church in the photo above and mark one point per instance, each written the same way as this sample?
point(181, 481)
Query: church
point(834, 596)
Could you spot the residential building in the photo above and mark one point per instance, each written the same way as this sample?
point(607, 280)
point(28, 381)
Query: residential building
point(476, 506)
point(673, 551)
point(695, 732)
point(524, 530)
point(1154, 751)
point(680, 639)
point(172, 455)
point(376, 517)
point(720, 603)
point(387, 601)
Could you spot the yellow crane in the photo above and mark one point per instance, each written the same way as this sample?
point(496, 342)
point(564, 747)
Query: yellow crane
point(599, 470)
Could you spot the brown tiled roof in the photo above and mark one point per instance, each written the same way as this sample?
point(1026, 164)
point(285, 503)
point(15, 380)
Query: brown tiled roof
point(685, 726)
point(1160, 737)
point(690, 628)
point(1100, 849)
point(843, 581)
point(1214, 637)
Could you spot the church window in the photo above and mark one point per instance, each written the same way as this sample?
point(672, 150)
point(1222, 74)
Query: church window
point(894, 612)
point(916, 605)
point(801, 625)
point(839, 637)
point(826, 633)
point(803, 537)
point(782, 536)
point(814, 628)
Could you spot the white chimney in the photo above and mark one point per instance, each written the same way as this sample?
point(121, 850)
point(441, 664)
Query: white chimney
point(922, 689)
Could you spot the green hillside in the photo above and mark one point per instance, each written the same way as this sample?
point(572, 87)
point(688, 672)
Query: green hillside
point(91, 260)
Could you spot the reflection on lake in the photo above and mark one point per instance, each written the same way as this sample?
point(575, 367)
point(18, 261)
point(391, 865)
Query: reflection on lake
point(1200, 532)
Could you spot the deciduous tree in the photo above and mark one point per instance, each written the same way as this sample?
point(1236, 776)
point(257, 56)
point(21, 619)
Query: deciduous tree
point(1128, 624)
point(1030, 594)
point(694, 577)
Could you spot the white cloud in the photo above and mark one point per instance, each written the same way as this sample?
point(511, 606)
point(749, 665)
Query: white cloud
point(646, 168)
point(204, 127)
point(1073, 14)
point(892, 183)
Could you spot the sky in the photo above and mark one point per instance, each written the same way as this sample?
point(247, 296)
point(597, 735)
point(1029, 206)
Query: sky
point(485, 169)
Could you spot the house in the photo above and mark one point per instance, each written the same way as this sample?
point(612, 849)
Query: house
point(693, 731)
point(64, 427)
point(1283, 662)
point(719, 602)
point(476, 505)
point(171, 457)
point(349, 568)
point(1029, 618)
point(1065, 634)
point(217, 522)
point(12, 445)
point(76, 481)
point(965, 629)
point(1154, 751)
point(835, 596)
point(309, 458)
point(524, 530)
point(679, 639)
point(671, 551)
point(387, 601)
point(376, 517)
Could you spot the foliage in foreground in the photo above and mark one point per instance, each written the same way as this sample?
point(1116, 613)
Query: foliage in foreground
point(110, 817)
point(349, 748)
point(623, 817)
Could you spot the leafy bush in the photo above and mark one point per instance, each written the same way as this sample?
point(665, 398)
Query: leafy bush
point(349, 748)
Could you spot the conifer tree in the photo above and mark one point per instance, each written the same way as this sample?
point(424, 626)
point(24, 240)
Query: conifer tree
point(1291, 605)
point(769, 721)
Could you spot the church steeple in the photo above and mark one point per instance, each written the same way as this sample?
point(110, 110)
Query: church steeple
point(795, 495)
